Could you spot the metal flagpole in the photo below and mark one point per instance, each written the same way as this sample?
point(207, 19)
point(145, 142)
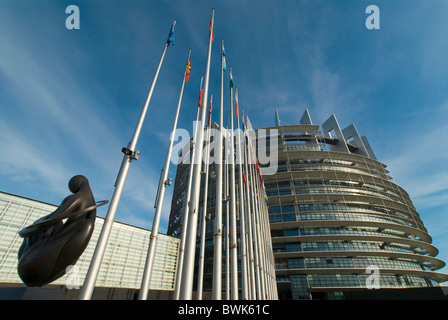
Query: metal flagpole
point(266, 240)
point(255, 224)
point(261, 238)
point(160, 196)
point(129, 155)
point(204, 211)
point(260, 230)
point(271, 263)
point(226, 200)
point(249, 215)
point(256, 230)
point(186, 289)
point(265, 258)
point(266, 251)
point(274, 291)
point(186, 205)
point(233, 235)
point(245, 294)
point(217, 235)
point(268, 246)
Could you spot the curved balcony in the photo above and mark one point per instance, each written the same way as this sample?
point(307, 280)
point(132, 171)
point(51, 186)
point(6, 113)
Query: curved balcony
point(430, 275)
point(417, 258)
point(422, 235)
point(426, 247)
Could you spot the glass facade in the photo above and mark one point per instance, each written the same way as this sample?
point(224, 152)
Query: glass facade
point(335, 211)
point(124, 257)
point(257, 239)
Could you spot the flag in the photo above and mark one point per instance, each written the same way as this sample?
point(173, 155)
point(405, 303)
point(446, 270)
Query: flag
point(201, 90)
point(249, 124)
point(210, 28)
point(231, 78)
point(236, 102)
point(223, 59)
point(210, 110)
point(187, 72)
point(170, 39)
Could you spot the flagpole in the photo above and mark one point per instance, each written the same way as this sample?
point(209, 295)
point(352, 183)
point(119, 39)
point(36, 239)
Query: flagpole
point(129, 155)
point(160, 196)
point(263, 226)
point(233, 235)
point(273, 291)
point(258, 220)
point(204, 211)
point(249, 215)
point(256, 231)
point(226, 200)
point(186, 205)
point(186, 290)
point(271, 263)
point(217, 236)
point(255, 226)
point(245, 293)
point(260, 227)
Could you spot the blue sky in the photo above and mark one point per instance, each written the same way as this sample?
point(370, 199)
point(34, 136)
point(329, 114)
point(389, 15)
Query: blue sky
point(70, 99)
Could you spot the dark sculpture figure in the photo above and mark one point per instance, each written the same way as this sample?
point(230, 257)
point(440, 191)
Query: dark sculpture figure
point(50, 245)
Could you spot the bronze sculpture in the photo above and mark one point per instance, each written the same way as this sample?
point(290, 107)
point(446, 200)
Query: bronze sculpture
point(50, 245)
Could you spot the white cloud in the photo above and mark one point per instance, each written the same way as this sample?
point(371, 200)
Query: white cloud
point(29, 163)
point(55, 126)
point(326, 93)
point(420, 166)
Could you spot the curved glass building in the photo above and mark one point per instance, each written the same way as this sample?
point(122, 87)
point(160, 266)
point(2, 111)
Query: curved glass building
point(338, 221)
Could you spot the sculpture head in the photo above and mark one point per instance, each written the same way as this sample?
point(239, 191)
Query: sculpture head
point(77, 182)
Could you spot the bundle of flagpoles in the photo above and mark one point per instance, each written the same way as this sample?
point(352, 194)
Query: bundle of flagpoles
point(239, 191)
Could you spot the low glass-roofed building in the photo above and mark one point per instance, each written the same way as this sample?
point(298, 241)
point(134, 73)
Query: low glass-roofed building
point(124, 258)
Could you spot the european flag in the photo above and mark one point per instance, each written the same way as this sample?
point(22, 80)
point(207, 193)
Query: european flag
point(171, 35)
